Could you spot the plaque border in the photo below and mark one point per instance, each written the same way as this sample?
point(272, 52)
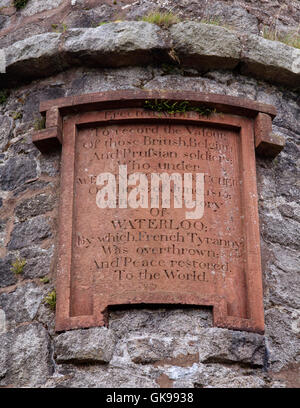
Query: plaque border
point(255, 322)
point(251, 119)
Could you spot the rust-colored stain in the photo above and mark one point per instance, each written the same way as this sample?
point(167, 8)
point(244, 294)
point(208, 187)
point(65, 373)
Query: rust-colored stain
point(137, 254)
point(164, 381)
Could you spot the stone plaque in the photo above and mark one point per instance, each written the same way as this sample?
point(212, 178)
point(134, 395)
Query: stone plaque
point(158, 209)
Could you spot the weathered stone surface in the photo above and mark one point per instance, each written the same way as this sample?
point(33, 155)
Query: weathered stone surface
point(34, 186)
point(35, 56)
point(90, 18)
point(27, 361)
point(275, 229)
point(177, 322)
point(232, 15)
point(3, 223)
point(2, 323)
point(38, 262)
point(50, 165)
point(134, 42)
point(45, 314)
point(37, 6)
point(5, 3)
point(29, 232)
point(17, 171)
point(175, 82)
point(6, 125)
point(205, 46)
point(37, 95)
point(80, 346)
point(36, 205)
point(151, 349)
point(7, 277)
point(139, 43)
point(33, 48)
point(22, 304)
point(89, 80)
point(213, 376)
point(282, 278)
point(219, 345)
point(93, 376)
point(3, 355)
point(282, 333)
point(211, 345)
point(272, 60)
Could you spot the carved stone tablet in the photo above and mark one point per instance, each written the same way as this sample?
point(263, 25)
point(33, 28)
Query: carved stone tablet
point(158, 209)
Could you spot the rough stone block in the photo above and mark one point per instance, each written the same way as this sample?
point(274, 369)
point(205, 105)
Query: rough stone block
point(272, 60)
point(17, 171)
point(35, 56)
point(25, 356)
point(37, 205)
point(116, 43)
point(38, 261)
point(228, 346)
point(7, 277)
point(81, 346)
point(22, 304)
point(205, 46)
point(6, 125)
point(29, 232)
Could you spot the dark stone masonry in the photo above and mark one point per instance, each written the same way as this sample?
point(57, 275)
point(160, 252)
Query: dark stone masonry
point(44, 46)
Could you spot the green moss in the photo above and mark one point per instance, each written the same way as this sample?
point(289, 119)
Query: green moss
point(45, 279)
point(18, 266)
point(4, 94)
point(40, 123)
point(50, 299)
point(177, 107)
point(163, 20)
point(17, 115)
point(20, 4)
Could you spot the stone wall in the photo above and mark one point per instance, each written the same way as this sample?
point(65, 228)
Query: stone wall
point(159, 347)
point(40, 16)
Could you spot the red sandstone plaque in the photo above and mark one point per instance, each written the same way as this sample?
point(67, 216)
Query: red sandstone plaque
point(158, 209)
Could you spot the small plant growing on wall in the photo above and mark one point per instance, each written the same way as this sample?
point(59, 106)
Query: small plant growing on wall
point(39, 123)
point(50, 299)
point(3, 96)
point(177, 107)
point(45, 279)
point(20, 4)
point(18, 266)
point(164, 20)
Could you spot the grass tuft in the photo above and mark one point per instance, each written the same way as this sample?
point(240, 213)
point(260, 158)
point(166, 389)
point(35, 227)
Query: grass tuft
point(18, 266)
point(40, 123)
point(164, 20)
point(50, 299)
point(292, 39)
